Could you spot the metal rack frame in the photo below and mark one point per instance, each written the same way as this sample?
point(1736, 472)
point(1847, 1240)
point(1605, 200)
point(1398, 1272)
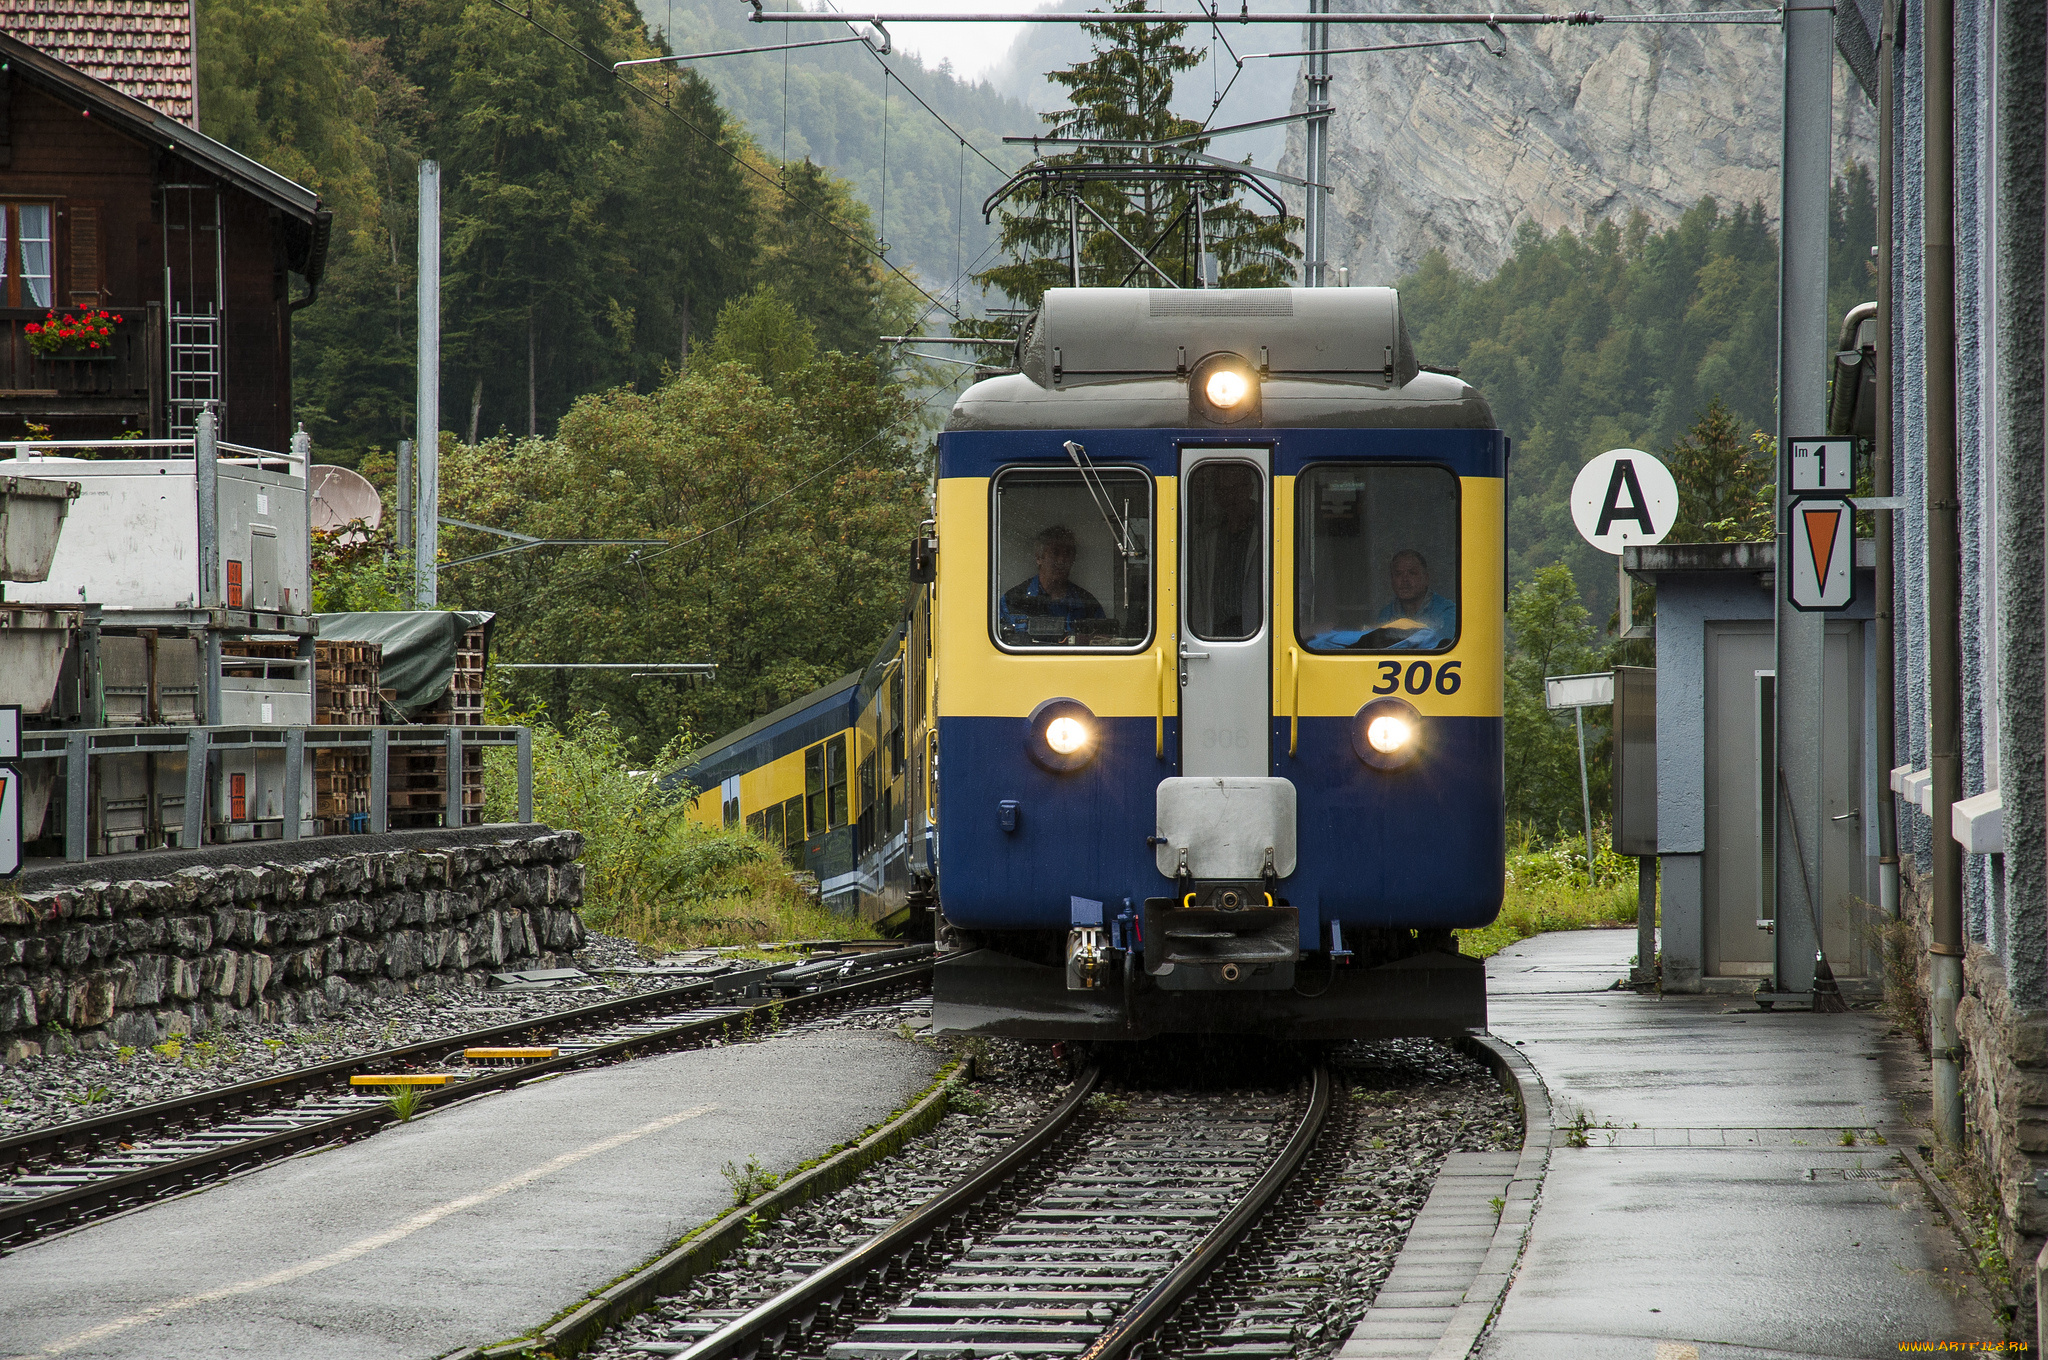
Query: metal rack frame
point(78, 746)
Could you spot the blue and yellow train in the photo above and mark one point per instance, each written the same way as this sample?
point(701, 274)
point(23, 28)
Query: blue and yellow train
point(1193, 723)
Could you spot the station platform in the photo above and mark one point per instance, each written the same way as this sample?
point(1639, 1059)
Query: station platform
point(1722, 1183)
point(475, 1223)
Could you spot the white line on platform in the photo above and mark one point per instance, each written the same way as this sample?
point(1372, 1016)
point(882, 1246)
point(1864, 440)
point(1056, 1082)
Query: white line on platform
point(363, 1246)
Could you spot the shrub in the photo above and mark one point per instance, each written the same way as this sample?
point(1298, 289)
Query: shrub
point(649, 872)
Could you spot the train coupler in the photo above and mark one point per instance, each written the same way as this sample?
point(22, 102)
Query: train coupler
point(1227, 936)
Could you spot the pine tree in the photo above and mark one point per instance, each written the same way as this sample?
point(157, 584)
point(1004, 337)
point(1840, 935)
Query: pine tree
point(1124, 93)
point(1724, 480)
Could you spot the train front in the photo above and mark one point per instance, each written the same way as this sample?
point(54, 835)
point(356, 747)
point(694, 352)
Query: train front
point(1216, 657)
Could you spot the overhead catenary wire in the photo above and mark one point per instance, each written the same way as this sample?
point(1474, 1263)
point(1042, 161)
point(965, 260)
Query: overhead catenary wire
point(737, 159)
point(1565, 18)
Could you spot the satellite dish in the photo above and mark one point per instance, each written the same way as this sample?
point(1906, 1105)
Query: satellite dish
point(341, 498)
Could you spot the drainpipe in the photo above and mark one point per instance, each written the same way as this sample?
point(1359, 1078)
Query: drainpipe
point(1881, 485)
point(1944, 570)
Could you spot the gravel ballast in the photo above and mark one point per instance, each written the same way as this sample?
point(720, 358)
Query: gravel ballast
point(1406, 1105)
point(57, 1087)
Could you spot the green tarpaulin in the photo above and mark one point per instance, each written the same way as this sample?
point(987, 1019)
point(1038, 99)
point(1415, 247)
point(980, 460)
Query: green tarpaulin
point(419, 647)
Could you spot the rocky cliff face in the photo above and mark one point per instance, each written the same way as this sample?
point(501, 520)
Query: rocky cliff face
point(1452, 147)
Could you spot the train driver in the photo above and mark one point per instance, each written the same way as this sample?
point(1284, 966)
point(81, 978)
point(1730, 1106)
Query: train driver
point(1415, 605)
point(1051, 605)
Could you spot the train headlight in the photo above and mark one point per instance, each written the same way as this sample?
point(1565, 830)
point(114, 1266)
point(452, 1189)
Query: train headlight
point(1388, 733)
point(1223, 389)
point(1066, 735)
point(1226, 387)
point(1062, 736)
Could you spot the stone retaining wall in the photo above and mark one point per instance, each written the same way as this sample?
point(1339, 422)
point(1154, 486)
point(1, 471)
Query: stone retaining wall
point(138, 960)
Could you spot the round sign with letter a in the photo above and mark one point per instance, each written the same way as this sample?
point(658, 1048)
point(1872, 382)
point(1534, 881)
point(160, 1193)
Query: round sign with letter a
point(1823, 545)
point(1625, 498)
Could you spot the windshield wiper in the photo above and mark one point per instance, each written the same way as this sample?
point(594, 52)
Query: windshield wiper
point(1119, 528)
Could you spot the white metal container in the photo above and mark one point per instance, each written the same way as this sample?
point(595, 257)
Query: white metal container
point(33, 642)
point(133, 540)
point(32, 512)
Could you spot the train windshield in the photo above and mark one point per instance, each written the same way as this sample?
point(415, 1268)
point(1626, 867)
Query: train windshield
point(1073, 558)
point(1377, 561)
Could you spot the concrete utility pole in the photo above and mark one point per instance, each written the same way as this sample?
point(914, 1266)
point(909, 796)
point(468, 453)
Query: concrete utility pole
point(1803, 355)
point(427, 406)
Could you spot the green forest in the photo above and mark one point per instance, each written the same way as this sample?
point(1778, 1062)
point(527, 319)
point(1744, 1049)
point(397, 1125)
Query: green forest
point(591, 225)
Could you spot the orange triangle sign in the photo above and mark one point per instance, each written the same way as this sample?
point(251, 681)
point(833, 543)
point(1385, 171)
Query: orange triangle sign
point(1821, 526)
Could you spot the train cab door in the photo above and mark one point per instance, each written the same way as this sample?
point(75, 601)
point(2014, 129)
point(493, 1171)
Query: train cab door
point(1226, 634)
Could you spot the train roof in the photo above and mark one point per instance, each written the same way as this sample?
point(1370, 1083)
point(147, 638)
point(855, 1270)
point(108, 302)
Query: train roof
point(1118, 358)
point(790, 728)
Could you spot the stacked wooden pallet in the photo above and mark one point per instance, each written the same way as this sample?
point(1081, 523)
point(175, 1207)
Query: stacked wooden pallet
point(345, 692)
point(463, 704)
point(419, 776)
point(341, 791)
point(419, 787)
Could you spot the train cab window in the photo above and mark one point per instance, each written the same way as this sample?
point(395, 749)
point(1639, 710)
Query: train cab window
point(1073, 558)
point(1226, 552)
point(1377, 559)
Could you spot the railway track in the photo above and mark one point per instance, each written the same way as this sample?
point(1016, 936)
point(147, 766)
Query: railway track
point(70, 1174)
point(1081, 1238)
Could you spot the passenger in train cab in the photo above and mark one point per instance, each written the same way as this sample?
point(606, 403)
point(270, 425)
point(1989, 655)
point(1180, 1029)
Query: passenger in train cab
point(1414, 603)
point(1051, 604)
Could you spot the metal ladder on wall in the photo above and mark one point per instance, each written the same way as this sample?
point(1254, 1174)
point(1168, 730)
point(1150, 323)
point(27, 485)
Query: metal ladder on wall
point(194, 269)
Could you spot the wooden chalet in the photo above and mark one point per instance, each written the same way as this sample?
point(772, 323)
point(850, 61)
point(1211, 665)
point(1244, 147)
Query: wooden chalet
point(109, 201)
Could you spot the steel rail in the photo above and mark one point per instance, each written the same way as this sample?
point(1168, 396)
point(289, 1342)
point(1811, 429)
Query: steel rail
point(748, 1333)
point(767, 1325)
point(27, 1220)
point(85, 1137)
point(1157, 1304)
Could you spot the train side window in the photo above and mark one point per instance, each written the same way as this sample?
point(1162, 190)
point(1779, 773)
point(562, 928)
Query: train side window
point(1377, 559)
point(767, 824)
point(814, 791)
point(793, 831)
point(1062, 576)
point(835, 781)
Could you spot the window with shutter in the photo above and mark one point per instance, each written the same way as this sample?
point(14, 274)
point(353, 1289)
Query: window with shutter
point(85, 255)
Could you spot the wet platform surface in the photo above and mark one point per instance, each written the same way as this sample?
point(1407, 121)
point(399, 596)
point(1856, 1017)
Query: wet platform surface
point(1723, 1182)
point(473, 1224)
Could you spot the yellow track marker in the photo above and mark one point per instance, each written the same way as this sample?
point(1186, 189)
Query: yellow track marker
point(403, 1079)
point(523, 1054)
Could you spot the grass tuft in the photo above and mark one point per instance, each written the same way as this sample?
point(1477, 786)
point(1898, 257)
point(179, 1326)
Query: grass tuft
point(1547, 890)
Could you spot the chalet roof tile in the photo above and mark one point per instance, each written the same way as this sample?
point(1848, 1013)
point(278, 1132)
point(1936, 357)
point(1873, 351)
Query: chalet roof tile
point(142, 48)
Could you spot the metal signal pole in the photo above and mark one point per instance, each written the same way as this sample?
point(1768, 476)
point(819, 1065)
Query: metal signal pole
point(1314, 239)
point(427, 404)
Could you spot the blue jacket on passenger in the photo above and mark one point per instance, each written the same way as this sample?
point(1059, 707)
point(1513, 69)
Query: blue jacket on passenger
point(1028, 613)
